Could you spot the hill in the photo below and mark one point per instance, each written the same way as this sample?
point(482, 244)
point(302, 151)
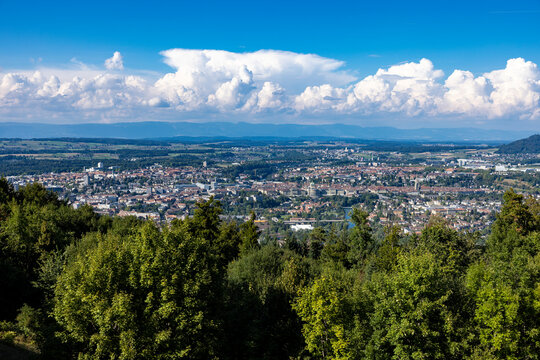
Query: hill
point(530, 145)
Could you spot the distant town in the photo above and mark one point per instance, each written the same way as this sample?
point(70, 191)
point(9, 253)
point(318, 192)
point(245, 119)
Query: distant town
point(295, 187)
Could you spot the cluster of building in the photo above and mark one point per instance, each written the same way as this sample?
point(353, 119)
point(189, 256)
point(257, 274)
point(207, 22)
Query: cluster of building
point(309, 196)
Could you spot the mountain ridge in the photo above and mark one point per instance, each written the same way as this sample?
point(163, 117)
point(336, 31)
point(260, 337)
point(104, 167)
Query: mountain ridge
point(167, 130)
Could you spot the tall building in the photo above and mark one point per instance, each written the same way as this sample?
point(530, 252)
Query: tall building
point(417, 185)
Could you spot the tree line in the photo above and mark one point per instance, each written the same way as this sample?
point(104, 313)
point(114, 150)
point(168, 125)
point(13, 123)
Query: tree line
point(82, 286)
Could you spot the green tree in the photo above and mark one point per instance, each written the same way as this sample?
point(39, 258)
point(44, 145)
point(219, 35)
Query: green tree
point(496, 315)
point(205, 223)
point(260, 323)
point(325, 311)
point(413, 313)
point(34, 224)
point(149, 295)
point(387, 253)
point(455, 250)
point(360, 240)
point(249, 235)
point(317, 238)
point(505, 288)
point(7, 193)
point(227, 245)
point(518, 218)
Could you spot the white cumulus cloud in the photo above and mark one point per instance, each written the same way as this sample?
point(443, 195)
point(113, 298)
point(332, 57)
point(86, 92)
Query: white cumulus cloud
point(228, 80)
point(512, 91)
point(271, 82)
point(115, 62)
point(104, 91)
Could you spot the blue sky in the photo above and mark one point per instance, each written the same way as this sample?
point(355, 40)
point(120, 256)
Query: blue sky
point(475, 36)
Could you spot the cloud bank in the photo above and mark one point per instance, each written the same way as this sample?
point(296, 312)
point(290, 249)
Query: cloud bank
point(270, 84)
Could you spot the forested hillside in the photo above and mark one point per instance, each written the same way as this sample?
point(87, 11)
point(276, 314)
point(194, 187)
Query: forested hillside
point(78, 285)
point(530, 145)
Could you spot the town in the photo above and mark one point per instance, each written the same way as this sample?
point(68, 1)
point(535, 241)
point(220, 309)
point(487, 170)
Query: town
point(297, 186)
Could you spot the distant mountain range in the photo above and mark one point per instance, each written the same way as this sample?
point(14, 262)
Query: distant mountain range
point(530, 145)
point(171, 130)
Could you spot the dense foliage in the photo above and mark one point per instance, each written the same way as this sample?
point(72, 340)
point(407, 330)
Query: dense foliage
point(76, 285)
